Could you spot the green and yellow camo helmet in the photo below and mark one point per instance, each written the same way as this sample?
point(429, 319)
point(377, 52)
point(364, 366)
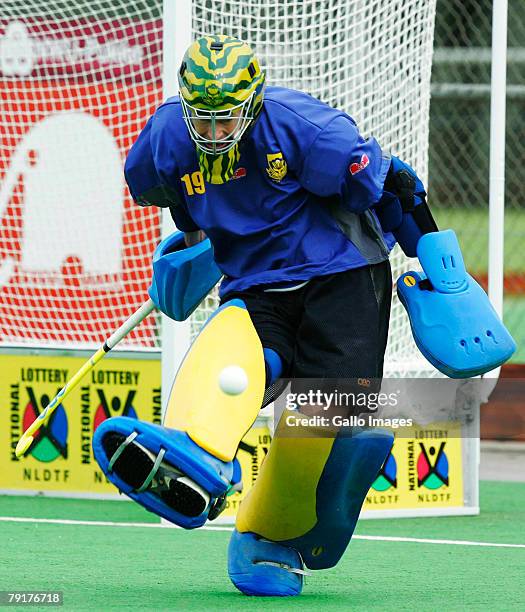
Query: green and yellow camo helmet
point(220, 80)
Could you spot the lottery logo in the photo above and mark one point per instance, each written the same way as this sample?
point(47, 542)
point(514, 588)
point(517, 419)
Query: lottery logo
point(113, 407)
point(51, 439)
point(432, 467)
point(387, 476)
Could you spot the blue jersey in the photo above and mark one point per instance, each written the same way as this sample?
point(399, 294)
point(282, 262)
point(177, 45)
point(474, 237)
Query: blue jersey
point(298, 204)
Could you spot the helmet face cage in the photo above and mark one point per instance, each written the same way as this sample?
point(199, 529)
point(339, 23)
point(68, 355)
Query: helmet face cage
point(220, 81)
point(241, 115)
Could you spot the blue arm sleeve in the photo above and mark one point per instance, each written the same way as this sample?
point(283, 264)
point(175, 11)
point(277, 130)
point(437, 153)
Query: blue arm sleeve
point(140, 173)
point(402, 208)
point(147, 188)
point(341, 162)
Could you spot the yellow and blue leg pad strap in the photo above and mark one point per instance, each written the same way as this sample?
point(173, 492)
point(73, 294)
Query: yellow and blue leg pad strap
point(273, 364)
point(179, 455)
point(310, 490)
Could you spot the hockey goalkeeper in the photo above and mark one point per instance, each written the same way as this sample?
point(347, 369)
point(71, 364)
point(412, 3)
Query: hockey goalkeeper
point(281, 195)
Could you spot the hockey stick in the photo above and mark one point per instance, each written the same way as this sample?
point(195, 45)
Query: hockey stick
point(28, 436)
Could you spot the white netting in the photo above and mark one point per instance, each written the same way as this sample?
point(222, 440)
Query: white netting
point(371, 58)
point(78, 80)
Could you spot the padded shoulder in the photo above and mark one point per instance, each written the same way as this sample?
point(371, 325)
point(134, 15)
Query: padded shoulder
point(287, 105)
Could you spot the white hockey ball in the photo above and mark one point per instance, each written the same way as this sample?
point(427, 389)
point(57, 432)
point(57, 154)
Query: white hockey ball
point(233, 380)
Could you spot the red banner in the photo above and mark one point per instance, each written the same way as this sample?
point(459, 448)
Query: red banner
point(75, 251)
point(83, 48)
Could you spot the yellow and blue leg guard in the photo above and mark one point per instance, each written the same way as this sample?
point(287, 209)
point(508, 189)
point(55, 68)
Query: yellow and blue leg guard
point(184, 469)
point(307, 498)
point(164, 470)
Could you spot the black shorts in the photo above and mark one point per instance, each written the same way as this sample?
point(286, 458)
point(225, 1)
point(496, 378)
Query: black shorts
point(336, 326)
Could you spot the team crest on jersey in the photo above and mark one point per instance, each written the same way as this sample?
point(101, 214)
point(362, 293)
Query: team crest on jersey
point(277, 167)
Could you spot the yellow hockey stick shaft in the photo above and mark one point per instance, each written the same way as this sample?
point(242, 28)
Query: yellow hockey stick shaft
point(28, 436)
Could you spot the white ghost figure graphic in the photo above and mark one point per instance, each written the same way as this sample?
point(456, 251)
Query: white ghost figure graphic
point(72, 178)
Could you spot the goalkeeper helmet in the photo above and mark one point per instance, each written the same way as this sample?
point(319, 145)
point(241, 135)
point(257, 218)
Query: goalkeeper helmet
point(221, 90)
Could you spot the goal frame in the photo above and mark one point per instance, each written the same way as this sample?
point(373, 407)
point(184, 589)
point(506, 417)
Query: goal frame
point(179, 14)
point(175, 337)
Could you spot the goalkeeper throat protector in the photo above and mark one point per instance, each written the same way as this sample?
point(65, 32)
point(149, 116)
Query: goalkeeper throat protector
point(218, 155)
point(221, 89)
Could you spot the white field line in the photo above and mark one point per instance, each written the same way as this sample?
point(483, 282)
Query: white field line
point(17, 519)
point(429, 541)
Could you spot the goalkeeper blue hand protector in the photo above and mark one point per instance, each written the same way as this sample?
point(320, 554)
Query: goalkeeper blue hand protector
point(453, 322)
point(182, 276)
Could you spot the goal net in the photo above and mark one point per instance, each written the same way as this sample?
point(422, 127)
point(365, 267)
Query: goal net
point(79, 80)
point(370, 58)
